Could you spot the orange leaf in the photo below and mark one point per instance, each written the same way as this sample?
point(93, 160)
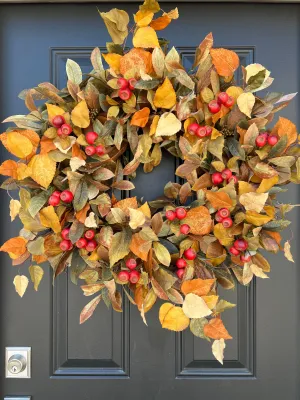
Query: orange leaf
point(225, 61)
point(77, 152)
point(140, 118)
point(125, 204)
point(219, 199)
point(140, 247)
point(199, 220)
point(81, 215)
point(15, 246)
point(215, 329)
point(47, 145)
point(203, 182)
point(135, 61)
point(200, 287)
point(285, 127)
point(161, 22)
point(9, 168)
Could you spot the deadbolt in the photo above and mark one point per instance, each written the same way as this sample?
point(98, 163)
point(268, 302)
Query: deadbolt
point(18, 362)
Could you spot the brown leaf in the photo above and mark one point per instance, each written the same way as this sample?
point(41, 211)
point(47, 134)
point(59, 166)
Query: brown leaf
point(215, 329)
point(89, 309)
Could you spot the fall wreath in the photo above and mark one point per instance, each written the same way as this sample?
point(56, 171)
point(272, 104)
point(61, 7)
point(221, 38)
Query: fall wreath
point(79, 153)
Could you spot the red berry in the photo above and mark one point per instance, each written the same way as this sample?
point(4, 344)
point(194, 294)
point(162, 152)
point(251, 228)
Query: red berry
point(57, 121)
point(190, 254)
point(53, 200)
point(184, 229)
point(91, 245)
point(192, 128)
point(223, 212)
point(122, 83)
point(208, 130)
point(66, 129)
point(201, 132)
point(123, 276)
point(100, 150)
point(222, 98)
point(132, 83)
point(90, 150)
point(218, 218)
point(90, 234)
point(214, 106)
point(227, 222)
point(226, 174)
point(217, 178)
point(234, 251)
point(124, 94)
point(65, 245)
point(245, 257)
point(241, 244)
point(181, 263)
point(66, 196)
point(131, 263)
point(59, 132)
point(90, 137)
point(230, 102)
point(272, 140)
point(261, 140)
point(180, 212)
point(170, 215)
point(134, 276)
point(56, 193)
point(264, 133)
point(65, 233)
point(180, 273)
point(81, 243)
point(234, 179)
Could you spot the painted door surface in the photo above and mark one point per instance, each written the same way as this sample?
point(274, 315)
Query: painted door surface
point(113, 355)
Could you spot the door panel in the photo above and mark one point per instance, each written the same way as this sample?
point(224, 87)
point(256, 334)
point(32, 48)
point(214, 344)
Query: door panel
point(115, 355)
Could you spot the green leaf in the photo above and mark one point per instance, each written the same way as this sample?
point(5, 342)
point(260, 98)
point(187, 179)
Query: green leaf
point(36, 246)
point(81, 196)
point(147, 85)
point(277, 225)
point(279, 147)
point(76, 231)
point(78, 265)
point(73, 72)
point(162, 254)
point(197, 327)
point(36, 203)
point(235, 148)
point(224, 305)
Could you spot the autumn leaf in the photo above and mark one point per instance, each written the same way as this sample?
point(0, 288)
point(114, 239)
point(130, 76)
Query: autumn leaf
point(9, 168)
point(140, 118)
point(173, 318)
point(266, 184)
point(224, 235)
point(15, 247)
point(140, 247)
point(195, 307)
point(19, 145)
point(14, 207)
point(36, 274)
point(285, 127)
point(137, 218)
point(116, 22)
point(80, 115)
point(257, 219)
point(168, 125)
point(199, 220)
point(119, 246)
point(218, 347)
point(254, 201)
point(143, 18)
point(43, 169)
point(225, 61)
point(113, 60)
point(245, 103)
point(287, 251)
point(89, 309)
point(165, 96)
point(145, 37)
point(215, 329)
point(200, 287)
point(126, 204)
point(21, 283)
point(54, 110)
point(50, 219)
point(219, 199)
point(162, 253)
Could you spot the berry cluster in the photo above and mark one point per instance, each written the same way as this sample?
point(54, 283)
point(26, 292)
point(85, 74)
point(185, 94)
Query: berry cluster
point(223, 216)
point(198, 130)
point(264, 138)
point(86, 242)
point(66, 196)
point(132, 276)
point(125, 88)
point(189, 254)
point(240, 245)
point(63, 129)
point(180, 213)
point(214, 106)
point(224, 176)
point(90, 150)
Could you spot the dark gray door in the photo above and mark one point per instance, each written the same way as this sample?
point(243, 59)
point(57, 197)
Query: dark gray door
point(113, 355)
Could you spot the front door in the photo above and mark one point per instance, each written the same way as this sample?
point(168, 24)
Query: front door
point(114, 356)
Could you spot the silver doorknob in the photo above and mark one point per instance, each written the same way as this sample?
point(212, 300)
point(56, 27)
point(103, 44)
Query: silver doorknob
point(16, 364)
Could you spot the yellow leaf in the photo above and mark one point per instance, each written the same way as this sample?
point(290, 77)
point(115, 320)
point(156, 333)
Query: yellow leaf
point(286, 127)
point(211, 300)
point(113, 60)
point(145, 210)
point(234, 91)
point(257, 219)
point(143, 18)
point(245, 187)
point(165, 96)
point(21, 283)
point(50, 219)
point(36, 274)
point(225, 61)
point(53, 111)
point(80, 115)
point(254, 201)
point(145, 37)
point(168, 125)
point(137, 218)
point(224, 235)
point(43, 169)
point(195, 307)
point(219, 199)
point(23, 171)
point(116, 22)
point(287, 251)
point(162, 253)
point(19, 145)
point(113, 112)
point(140, 118)
point(245, 103)
point(173, 318)
point(267, 184)
point(14, 207)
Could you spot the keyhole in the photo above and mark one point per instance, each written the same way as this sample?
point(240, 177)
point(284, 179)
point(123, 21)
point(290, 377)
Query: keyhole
point(14, 369)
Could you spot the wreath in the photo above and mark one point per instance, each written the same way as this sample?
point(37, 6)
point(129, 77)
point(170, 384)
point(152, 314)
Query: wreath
point(79, 152)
